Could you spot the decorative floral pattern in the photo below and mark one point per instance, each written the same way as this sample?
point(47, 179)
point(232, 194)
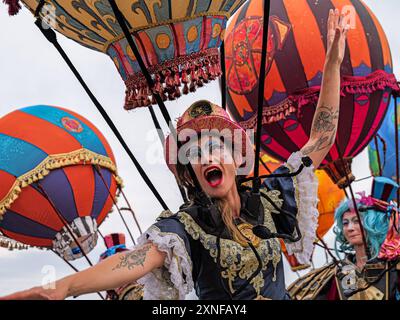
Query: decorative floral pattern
point(243, 57)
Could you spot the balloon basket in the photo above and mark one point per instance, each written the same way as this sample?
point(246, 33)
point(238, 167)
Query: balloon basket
point(338, 170)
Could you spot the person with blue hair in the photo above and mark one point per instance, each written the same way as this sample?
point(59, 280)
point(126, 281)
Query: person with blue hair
point(368, 267)
point(349, 234)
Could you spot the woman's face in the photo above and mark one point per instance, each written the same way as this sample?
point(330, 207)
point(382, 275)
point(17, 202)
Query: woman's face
point(213, 164)
point(351, 228)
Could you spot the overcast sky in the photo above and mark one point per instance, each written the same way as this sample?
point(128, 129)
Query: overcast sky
point(32, 73)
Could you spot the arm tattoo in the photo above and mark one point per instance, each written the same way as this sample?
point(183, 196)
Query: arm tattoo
point(325, 120)
point(133, 258)
point(322, 143)
point(324, 128)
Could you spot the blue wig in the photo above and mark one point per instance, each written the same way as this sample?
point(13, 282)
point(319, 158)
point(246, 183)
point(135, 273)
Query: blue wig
point(375, 223)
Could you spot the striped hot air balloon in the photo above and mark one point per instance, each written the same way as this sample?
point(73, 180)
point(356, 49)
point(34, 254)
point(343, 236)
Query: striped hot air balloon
point(386, 144)
point(295, 61)
point(178, 40)
point(58, 175)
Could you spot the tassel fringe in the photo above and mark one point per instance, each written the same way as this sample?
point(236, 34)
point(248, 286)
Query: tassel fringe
point(82, 156)
point(13, 6)
point(11, 244)
point(173, 78)
point(378, 80)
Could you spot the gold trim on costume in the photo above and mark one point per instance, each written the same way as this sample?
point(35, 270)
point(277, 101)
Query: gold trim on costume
point(165, 214)
point(134, 291)
point(235, 259)
point(310, 285)
point(247, 230)
point(260, 297)
point(300, 267)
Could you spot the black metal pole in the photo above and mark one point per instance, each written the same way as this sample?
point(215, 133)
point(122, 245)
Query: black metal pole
point(115, 203)
point(162, 140)
point(75, 269)
point(261, 83)
point(223, 76)
point(121, 21)
point(101, 235)
point(265, 165)
point(157, 125)
point(354, 202)
point(378, 155)
point(131, 210)
point(63, 221)
point(327, 250)
point(51, 36)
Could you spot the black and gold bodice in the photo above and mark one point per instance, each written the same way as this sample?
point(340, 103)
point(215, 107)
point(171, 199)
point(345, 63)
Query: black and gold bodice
point(227, 269)
point(224, 268)
point(202, 254)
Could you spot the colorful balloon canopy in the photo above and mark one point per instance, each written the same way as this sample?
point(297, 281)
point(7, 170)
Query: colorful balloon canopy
point(58, 178)
point(386, 144)
point(269, 162)
point(295, 60)
point(329, 196)
point(178, 40)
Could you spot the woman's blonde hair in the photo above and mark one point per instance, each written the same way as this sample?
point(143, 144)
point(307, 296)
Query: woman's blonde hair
point(186, 181)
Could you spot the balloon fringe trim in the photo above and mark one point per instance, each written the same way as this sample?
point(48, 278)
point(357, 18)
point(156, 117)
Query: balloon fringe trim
point(82, 156)
point(11, 244)
point(13, 6)
point(191, 71)
point(378, 80)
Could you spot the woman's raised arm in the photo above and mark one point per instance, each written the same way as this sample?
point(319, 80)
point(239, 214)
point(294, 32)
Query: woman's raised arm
point(326, 117)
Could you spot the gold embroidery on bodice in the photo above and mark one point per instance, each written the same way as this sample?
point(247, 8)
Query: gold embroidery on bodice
point(237, 260)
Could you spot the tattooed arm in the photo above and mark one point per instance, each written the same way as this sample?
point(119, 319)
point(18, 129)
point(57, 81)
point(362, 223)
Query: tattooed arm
point(116, 271)
point(111, 273)
point(325, 122)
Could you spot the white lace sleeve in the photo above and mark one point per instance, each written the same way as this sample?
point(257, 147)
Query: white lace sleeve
point(174, 280)
point(306, 193)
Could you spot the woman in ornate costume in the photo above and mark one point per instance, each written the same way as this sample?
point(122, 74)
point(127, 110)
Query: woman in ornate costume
point(211, 247)
point(365, 273)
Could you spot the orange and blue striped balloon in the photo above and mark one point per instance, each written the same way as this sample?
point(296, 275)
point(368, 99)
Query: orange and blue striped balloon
point(56, 168)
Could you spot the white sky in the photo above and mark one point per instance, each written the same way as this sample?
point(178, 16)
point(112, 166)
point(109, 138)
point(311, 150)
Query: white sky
point(32, 72)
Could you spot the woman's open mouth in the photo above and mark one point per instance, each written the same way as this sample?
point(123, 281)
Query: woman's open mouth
point(214, 176)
